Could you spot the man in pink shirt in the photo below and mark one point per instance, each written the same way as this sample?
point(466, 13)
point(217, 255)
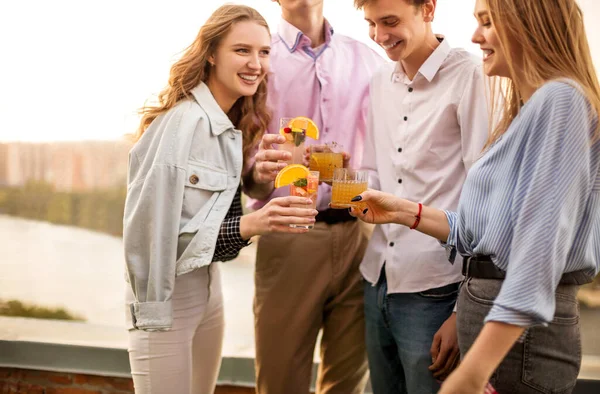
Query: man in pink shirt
point(307, 282)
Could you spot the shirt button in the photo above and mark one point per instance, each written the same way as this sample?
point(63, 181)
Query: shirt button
point(391, 244)
point(410, 90)
point(406, 118)
point(399, 150)
point(194, 179)
point(399, 180)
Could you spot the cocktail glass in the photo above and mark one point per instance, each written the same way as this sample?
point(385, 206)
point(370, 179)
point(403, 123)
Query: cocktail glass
point(294, 138)
point(305, 187)
point(326, 158)
point(347, 184)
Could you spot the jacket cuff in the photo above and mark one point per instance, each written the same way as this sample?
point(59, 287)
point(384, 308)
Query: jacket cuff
point(152, 316)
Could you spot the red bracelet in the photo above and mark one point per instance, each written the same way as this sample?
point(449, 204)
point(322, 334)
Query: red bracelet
point(418, 218)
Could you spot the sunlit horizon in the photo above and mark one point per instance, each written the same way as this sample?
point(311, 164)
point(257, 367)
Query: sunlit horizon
point(80, 71)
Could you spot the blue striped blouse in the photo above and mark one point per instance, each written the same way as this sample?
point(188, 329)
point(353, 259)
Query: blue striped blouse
point(532, 202)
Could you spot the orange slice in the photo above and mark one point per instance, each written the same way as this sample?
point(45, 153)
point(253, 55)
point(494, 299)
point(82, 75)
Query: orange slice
point(290, 173)
point(312, 130)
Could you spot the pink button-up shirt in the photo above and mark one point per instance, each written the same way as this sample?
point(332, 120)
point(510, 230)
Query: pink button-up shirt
point(329, 84)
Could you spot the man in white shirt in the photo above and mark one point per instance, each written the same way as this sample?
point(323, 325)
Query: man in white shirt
point(427, 124)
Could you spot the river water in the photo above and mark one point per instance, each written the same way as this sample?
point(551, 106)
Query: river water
point(83, 271)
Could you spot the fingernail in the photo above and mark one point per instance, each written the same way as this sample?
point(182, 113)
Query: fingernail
point(357, 198)
point(365, 211)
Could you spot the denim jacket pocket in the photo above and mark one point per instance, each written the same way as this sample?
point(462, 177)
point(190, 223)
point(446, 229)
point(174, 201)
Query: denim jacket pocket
point(205, 177)
point(203, 185)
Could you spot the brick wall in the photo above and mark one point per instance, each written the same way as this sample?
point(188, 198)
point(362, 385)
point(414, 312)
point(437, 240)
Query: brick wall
point(21, 381)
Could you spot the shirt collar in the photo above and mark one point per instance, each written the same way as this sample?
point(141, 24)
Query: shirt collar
point(433, 63)
point(219, 122)
point(292, 36)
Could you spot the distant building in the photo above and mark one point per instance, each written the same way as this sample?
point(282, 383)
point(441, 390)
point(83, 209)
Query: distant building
point(69, 166)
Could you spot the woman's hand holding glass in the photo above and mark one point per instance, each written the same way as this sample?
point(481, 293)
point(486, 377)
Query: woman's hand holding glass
point(377, 207)
point(277, 216)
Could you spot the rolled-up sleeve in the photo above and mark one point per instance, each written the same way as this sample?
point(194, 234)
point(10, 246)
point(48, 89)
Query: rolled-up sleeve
point(150, 232)
point(450, 244)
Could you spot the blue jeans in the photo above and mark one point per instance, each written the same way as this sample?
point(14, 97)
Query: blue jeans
point(399, 332)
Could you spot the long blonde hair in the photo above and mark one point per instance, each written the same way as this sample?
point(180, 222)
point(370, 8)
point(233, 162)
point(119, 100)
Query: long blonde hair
point(551, 42)
point(248, 114)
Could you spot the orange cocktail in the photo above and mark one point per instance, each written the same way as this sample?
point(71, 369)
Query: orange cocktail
point(326, 159)
point(346, 185)
point(306, 187)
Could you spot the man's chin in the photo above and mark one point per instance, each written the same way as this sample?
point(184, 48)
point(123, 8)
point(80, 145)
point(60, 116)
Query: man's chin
point(395, 56)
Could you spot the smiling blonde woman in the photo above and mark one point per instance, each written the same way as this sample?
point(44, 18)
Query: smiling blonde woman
point(183, 210)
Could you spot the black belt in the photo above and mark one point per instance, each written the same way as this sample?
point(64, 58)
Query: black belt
point(482, 267)
point(333, 216)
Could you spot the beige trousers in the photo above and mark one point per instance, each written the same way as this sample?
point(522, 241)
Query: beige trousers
point(186, 359)
point(305, 283)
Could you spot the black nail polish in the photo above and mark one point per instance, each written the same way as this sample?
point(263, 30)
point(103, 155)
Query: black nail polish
point(365, 211)
point(357, 198)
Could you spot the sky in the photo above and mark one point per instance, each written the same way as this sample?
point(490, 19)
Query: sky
point(79, 70)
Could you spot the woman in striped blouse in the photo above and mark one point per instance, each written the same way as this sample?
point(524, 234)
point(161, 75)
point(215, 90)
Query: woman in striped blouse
point(528, 221)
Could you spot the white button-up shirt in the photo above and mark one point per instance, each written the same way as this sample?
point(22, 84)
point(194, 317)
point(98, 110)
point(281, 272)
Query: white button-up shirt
point(422, 137)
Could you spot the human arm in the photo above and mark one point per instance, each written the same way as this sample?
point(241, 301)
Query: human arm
point(381, 207)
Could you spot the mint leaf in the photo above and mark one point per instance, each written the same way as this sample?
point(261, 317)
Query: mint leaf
point(301, 182)
point(298, 138)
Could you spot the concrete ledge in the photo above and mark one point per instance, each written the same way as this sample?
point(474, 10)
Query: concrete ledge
point(65, 358)
point(111, 362)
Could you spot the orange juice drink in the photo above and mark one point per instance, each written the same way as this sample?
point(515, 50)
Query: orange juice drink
point(347, 184)
point(306, 187)
point(325, 159)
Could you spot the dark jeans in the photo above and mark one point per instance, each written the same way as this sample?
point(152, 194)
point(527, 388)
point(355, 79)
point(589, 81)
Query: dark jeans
point(545, 359)
point(400, 329)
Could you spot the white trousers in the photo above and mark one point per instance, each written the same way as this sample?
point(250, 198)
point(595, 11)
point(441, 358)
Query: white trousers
point(186, 359)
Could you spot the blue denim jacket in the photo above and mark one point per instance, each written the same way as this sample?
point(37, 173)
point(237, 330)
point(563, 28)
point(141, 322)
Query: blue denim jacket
point(183, 175)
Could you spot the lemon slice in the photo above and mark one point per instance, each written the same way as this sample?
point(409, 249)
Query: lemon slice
point(290, 173)
point(312, 130)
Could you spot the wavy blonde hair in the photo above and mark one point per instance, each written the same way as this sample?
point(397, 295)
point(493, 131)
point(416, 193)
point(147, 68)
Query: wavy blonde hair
point(248, 114)
point(549, 37)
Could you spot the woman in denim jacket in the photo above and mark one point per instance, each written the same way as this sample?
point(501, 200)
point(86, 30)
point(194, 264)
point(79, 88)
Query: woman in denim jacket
point(183, 208)
point(528, 220)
